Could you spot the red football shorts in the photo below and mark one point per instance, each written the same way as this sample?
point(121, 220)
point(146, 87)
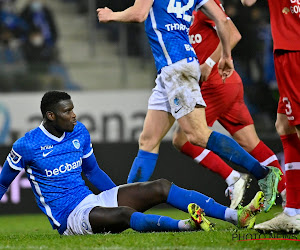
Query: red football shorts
point(287, 69)
point(225, 103)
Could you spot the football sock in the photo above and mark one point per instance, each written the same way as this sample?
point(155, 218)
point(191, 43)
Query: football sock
point(291, 211)
point(184, 226)
point(207, 159)
point(233, 178)
point(180, 198)
point(231, 216)
point(291, 148)
point(266, 157)
point(150, 222)
point(229, 149)
point(142, 167)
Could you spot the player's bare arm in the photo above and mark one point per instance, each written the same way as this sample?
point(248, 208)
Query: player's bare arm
point(136, 13)
point(216, 55)
point(212, 10)
point(248, 3)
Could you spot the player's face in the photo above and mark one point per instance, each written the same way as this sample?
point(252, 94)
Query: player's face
point(65, 116)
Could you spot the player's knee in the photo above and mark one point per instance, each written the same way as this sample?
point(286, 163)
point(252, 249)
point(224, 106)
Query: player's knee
point(147, 142)
point(281, 128)
point(124, 215)
point(177, 141)
point(162, 188)
point(197, 139)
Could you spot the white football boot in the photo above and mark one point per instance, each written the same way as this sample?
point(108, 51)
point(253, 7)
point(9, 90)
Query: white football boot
point(282, 222)
point(237, 190)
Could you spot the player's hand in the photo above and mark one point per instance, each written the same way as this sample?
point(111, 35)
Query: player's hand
point(225, 68)
point(205, 72)
point(104, 14)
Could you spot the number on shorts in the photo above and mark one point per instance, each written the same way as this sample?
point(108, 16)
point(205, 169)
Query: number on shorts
point(288, 106)
point(176, 8)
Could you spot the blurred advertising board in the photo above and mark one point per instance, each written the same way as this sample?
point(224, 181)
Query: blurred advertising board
point(110, 116)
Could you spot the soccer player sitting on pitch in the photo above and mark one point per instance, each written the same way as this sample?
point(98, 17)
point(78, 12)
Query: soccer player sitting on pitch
point(56, 153)
point(177, 94)
point(225, 103)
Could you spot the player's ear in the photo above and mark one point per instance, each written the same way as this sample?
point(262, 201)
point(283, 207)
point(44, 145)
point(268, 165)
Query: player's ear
point(50, 115)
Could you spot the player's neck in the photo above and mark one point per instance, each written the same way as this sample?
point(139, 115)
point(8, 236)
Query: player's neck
point(52, 130)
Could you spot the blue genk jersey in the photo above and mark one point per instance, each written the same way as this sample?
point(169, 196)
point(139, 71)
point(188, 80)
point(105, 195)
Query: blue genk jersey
point(53, 167)
point(167, 27)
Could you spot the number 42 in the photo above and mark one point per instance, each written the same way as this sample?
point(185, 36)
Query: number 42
point(176, 8)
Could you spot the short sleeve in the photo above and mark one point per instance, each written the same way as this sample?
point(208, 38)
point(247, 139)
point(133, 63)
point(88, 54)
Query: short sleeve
point(200, 3)
point(18, 157)
point(87, 144)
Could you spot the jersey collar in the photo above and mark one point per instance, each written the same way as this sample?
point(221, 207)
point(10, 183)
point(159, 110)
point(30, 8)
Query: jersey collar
point(53, 137)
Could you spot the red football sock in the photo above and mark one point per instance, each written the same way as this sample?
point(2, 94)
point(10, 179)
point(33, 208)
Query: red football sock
point(207, 159)
point(266, 157)
point(291, 148)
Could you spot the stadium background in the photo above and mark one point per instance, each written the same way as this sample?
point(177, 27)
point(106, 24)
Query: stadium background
point(109, 72)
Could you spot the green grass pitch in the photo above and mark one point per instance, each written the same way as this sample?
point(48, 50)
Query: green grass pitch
point(34, 232)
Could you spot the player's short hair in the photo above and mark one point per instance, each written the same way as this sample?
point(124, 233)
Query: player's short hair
point(51, 98)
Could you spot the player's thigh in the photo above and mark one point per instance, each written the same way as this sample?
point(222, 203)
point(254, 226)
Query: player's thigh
point(144, 195)
point(110, 219)
point(78, 222)
point(282, 125)
point(247, 137)
point(157, 123)
point(179, 138)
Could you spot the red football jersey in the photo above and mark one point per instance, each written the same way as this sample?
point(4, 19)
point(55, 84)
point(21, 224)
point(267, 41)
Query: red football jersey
point(285, 23)
point(204, 39)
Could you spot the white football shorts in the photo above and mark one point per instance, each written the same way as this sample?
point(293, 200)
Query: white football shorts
point(177, 88)
point(78, 220)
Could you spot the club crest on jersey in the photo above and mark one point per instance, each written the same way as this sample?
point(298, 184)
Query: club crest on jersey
point(176, 101)
point(14, 156)
point(76, 143)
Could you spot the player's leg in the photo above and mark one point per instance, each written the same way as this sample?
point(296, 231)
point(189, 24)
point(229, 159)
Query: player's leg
point(157, 123)
point(248, 139)
point(289, 219)
point(212, 93)
point(118, 219)
point(288, 119)
point(142, 196)
point(202, 156)
point(236, 181)
point(219, 98)
point(187, 106)
point(132, 199)
point(239, 123)
point(113, 211)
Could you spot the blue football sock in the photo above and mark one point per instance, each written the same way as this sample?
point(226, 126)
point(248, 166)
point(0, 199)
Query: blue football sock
point(142, 167)
point(229, 149)
point(150, 222)
point(181, 198)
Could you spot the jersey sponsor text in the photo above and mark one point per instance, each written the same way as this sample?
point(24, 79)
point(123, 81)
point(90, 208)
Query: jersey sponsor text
point(177, 26)
point(63, 168)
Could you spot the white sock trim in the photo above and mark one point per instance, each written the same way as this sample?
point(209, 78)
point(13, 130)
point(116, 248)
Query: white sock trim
point(291, 211)
point(200, 157)
point(292, 166)
point(232, 178)
point(269, 160)
point(182, 226)
point(231, 216)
